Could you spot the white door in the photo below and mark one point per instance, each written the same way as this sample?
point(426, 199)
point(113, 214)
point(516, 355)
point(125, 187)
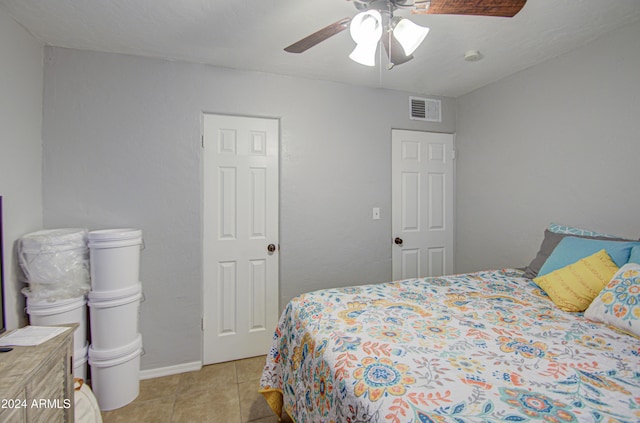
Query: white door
point(240, 251)
point(422, 204)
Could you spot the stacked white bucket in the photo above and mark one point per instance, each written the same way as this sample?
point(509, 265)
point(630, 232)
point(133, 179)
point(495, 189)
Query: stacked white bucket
point(114, 301)
point(55, 264)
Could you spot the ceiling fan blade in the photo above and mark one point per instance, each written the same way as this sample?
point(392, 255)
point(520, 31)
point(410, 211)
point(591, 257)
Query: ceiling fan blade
point(503, 8)
point(319, 36)
point(395, 53)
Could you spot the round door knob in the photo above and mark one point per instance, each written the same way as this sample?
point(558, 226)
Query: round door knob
point(398, 241)
point(271, 248)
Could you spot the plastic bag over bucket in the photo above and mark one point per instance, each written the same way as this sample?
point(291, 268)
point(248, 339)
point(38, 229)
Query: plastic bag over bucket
point(55, 263)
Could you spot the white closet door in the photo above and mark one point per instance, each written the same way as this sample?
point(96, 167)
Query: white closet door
point(422, 204)
point(240, 236)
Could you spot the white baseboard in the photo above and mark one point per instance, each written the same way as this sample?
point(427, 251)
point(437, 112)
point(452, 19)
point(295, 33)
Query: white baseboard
point(171, 370)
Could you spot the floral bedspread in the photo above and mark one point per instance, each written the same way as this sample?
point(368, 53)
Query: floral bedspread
point(480, 347)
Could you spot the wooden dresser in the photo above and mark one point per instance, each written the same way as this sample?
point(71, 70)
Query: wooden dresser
point(36, 383)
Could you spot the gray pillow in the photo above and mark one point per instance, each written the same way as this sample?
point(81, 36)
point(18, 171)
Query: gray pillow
point(549, 243)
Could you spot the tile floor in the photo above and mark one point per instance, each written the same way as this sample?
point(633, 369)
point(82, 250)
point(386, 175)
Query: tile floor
point(225, 392)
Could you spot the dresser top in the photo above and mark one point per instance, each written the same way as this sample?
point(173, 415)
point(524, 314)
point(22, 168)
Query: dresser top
point(17, 366)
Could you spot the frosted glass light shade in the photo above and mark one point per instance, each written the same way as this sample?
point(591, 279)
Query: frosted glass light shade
point(366, 31)
point(409, 35)
point(366, 27)
point(365, 54)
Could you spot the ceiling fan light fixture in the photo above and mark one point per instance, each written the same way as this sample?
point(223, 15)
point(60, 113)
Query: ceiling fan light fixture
point(409, 35)
point(366, 31)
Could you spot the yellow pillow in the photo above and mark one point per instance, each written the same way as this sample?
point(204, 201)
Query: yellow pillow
point(573, 288)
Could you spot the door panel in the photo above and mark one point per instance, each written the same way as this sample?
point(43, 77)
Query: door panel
point(227, 193)
point(437, 201)
point(258, 295)
point(227, 294)
point(422, 204)
point(410, 201)
point(410, 263)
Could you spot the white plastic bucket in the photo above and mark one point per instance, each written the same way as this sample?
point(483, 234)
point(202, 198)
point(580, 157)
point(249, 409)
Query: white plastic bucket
point(115, 258)
point(60, 312)
point(80, 357)
point(55, 256)
point(115, 374)
point(114, 321)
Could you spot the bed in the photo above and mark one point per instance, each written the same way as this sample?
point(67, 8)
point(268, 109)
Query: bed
point(480, 347)
point(558, 341)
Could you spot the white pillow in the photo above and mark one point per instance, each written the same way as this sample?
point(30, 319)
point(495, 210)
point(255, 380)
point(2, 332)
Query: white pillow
point(618, 304)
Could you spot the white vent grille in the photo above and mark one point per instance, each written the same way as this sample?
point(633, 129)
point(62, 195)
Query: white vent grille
point(427, 109)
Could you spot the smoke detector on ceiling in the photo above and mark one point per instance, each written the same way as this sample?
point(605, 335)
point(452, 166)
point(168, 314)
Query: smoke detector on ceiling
point(472, 56)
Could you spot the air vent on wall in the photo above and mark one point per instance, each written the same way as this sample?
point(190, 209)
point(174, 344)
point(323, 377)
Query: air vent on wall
point(427, 109)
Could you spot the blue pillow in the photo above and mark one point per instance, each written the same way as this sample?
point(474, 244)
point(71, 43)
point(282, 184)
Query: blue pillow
point(634, 257)
point(572, 230)
point(572, 249)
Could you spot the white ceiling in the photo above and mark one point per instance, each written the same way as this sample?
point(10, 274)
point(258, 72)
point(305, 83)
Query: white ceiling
point(251, 34)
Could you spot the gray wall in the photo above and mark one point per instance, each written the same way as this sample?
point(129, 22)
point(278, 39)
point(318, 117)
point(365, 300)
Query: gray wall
point(555, 143)
point(20, 150)
point(122, 149)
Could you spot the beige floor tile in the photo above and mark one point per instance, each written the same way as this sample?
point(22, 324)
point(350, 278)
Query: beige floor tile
point(250, 368)
point(286, 419)
point(208, 406)
point(157, 411)
point(218, 393)
point(158, 387)
point(253, 406)
point(211, 376)
point(273, 419)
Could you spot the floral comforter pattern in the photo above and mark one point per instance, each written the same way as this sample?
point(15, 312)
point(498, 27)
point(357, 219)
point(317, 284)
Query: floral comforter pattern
point(479, 347)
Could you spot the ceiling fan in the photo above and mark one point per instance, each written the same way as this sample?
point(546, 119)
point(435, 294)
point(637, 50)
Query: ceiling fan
point(400, 36)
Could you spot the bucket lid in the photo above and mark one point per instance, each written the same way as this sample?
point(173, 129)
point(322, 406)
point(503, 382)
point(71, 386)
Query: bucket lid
point(56, 235)
point(114, 353)
point(44, 306)
point(114, 234)
point(94, 362)
point(114, 302)
point(54, 240)
point(82, 352)
point(79, 360)
point(80, 356)
point(97, 296)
